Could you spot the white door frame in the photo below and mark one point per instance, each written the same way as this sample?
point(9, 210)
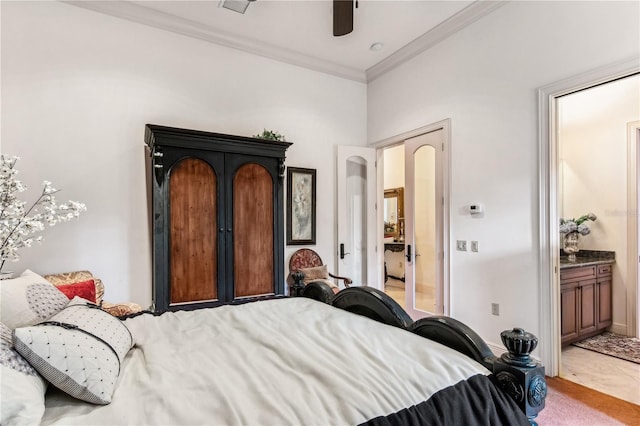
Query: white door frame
point(445, 126)
point(633, 240)
point(549, 244)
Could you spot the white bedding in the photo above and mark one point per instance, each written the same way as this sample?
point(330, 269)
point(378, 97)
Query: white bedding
point(284, 361)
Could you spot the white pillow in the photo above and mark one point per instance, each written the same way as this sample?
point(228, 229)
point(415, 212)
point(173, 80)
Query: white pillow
point(22, 388)
point(78, 350)
point(29, 299)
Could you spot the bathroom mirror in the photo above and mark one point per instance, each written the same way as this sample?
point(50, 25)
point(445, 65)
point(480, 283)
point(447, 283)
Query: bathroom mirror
point(394, 213)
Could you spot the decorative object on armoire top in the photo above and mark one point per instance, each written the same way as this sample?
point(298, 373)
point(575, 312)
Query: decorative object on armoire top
point(571, 229)
point(270, 135)
point(18, 223)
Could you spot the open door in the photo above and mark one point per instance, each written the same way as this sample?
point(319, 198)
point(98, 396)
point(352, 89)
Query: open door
point(424, 239)
point(356, 204)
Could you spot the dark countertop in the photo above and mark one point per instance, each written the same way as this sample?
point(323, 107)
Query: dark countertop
point(588, 258)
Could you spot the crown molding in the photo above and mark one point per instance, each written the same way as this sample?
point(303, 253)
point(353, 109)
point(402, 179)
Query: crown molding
point(161, 20)
point(154, 18)
point(455, 23)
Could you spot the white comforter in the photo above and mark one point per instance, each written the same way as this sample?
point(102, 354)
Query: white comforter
point(285, 361)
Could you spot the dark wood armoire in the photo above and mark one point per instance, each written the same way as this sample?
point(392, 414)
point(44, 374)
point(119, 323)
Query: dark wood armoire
point(217, 215)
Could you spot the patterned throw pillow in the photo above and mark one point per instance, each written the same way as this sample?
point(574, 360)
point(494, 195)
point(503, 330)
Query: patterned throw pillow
point(21, 387)
point(29, 299)
point(83, 289)
point(74, 277)
point(317, 273)
point(79, 350)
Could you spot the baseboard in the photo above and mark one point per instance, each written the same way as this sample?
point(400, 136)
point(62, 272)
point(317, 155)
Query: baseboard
point(619, 329)
point(497, 350)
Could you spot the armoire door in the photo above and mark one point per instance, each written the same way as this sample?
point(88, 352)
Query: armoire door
point(196, 220)
point(251, 232)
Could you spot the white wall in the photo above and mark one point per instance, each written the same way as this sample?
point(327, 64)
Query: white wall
point(394, 167)
point(78, 88)
point(484, 78)
point(593, 157)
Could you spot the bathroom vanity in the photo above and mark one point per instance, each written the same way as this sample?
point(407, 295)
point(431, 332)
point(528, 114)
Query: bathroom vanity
point(585, 295)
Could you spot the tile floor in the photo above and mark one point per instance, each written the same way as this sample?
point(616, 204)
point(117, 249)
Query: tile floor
point(425, 300)
point(610, 375)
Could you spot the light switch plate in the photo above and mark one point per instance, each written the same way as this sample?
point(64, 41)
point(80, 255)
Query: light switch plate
point(461, 245)
point(474, 246)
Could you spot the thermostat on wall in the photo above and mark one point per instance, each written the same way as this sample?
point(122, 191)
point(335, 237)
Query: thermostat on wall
point(475, 208)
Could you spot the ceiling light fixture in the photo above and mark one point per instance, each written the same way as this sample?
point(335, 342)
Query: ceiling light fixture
point(239, 6)
point(376, 46)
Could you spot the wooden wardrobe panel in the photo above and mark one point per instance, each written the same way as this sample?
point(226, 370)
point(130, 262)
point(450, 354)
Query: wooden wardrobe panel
point(192, 232)
point(253, 248)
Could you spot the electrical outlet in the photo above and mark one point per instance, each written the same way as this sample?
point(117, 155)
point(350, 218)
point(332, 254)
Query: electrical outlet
point(495, 309)
point(474, 246)
point(461, 245)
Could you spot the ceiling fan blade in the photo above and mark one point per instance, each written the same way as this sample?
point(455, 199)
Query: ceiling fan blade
point(342, 17)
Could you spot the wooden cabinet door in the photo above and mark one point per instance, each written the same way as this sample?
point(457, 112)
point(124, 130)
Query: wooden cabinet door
point(569, 298)
point(252, 209)
point(194, 220)
point(603, 289)
point(588, 317)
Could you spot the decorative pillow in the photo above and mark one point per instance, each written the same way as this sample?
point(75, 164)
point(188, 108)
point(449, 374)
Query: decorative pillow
point(21, 387)
point(79, 350)
point(83, 289)
point(317, 273)
point(77, 277)
point(29, 299)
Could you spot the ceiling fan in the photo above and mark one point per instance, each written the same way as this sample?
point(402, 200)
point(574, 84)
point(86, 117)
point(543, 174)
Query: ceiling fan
point(343, 16)
point(342, 13)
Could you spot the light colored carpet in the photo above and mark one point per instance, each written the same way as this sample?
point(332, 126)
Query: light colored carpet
point(571, 404)
point(562, 410)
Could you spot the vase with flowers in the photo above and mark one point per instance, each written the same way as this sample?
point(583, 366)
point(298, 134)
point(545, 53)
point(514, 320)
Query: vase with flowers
point(571, 229)
point(19, 224)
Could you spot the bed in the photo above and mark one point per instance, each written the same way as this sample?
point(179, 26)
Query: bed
point(354, 358)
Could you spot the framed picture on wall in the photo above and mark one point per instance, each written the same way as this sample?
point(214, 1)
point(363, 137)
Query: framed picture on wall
point(301, 206)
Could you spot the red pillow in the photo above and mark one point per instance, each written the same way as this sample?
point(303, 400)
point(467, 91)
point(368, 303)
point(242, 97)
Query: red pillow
point(84, 289)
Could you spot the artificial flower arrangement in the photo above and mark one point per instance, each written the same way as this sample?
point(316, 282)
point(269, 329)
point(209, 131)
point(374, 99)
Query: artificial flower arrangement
point(19, 224)
point(270, 135)
point(578, 225)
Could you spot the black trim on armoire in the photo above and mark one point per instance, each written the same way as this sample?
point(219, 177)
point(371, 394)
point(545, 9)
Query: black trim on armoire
point(167, 147)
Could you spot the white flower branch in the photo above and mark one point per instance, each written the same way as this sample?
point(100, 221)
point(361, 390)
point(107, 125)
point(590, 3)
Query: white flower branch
point(18, 224)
